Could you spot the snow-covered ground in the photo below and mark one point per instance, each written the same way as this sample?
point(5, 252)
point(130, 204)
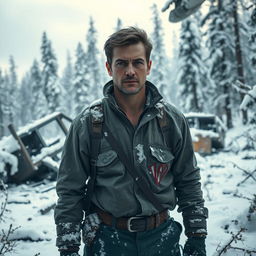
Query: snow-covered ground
point(228, 205)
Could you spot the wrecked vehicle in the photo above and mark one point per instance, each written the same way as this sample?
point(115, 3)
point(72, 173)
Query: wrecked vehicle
point(207, 131)
point(33, 152)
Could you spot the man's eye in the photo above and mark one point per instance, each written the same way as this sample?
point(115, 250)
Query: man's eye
point(138, 63)
point(120, 64)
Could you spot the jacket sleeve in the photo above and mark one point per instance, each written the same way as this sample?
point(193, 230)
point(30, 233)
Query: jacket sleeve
point(187, 184)
point(70, 185)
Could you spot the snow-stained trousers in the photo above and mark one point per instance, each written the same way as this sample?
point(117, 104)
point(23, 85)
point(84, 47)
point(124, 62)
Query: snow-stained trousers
point(163, 241)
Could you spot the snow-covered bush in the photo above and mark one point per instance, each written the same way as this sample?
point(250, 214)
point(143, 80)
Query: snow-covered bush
point(247, 140)
point(249, 104)
point(6, 244)
point(7, 146)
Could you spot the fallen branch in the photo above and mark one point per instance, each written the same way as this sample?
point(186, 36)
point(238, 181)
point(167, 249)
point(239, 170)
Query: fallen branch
point(234, 238)
point(244, 250)
point(249, 174)
point(47, 209)
point(242, 196)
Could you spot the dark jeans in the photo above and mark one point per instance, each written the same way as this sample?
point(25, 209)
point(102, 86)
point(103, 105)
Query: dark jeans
point(163, 240)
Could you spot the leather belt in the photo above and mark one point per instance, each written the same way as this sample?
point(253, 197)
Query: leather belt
point(133, 224)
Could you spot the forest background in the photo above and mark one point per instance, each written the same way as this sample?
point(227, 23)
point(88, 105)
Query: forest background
point(206, 55)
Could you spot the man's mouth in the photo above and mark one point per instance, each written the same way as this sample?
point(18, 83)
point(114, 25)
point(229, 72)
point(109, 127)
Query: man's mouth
point(130, 81)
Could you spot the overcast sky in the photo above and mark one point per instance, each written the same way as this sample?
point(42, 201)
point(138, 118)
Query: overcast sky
point(22, 23)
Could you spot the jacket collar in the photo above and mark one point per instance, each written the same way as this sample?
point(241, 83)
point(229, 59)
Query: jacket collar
point(153, 95)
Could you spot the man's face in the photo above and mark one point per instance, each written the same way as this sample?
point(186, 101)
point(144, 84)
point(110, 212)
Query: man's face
point(129, 68)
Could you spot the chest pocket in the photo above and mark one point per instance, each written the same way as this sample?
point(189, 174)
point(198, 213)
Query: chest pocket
point(106, 158)
point(159, 162)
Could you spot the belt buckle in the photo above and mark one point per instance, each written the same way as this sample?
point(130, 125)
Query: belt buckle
point(129, 223)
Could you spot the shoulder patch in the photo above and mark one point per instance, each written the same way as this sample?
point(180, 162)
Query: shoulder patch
point(97, 113)
point(160, 106)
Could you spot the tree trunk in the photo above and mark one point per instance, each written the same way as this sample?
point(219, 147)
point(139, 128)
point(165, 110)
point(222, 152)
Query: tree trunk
point(195, 97)
point(226, 86)
point(1, 122)
point(239, 57)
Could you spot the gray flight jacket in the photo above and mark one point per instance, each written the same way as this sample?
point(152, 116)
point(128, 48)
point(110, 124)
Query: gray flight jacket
point(169, 166)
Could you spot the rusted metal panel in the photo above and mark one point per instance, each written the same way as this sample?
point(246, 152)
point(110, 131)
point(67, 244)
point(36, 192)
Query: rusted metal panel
point(203, 145)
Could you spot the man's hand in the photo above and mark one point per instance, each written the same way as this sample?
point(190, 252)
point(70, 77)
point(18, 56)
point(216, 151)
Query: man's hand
point(195, 246)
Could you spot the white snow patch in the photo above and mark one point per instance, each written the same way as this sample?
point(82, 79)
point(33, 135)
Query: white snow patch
point(96, 113)
point(160, 108)
point(140, 153)
point(46, 151)
point(8, 158)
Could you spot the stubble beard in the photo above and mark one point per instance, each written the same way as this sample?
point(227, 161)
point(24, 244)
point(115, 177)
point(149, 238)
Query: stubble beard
point(125, 91)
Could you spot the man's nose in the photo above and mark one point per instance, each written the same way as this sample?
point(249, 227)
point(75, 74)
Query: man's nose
point(130, 70)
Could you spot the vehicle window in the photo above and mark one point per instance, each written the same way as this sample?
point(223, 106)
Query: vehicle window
point(191, 122)
point(51, 133)
point(33, 142)
point(207, 123)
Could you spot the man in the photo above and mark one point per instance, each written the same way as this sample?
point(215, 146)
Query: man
point(136, 146)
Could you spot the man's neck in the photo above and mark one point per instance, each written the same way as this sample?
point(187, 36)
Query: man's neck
point(132, 105)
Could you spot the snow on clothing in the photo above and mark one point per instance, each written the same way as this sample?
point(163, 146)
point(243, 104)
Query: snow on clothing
point(169, 167)
point(162, 241)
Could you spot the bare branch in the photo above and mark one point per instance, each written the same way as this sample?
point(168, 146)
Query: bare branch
point(244, 250)
point(3, 204)
point(235, 237)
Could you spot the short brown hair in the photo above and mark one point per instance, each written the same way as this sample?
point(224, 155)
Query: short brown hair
point(125, 37)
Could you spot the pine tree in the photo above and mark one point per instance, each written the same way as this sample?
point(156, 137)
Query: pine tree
point(160, 62)
point(247, 49)
point(238, 52)
point(12, 90)
point(172, 87)
point(221, 60)
point(27, 103)
point(1, 104)
point(94, 68)
point(7, 101)
point(81, 80)
point(252, 40)
point(67, 83)
point(50, 81)
point(39, 102)
point(119, 24)
point(192, 77)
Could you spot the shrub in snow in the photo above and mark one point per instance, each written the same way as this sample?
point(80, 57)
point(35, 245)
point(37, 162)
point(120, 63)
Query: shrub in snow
point(6, 245)
point(8, 145)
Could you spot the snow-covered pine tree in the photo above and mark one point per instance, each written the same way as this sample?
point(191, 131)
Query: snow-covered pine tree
point(221, 59)
point(26, 101)
point(94, 68)
point(192, 74)
point(6, 101)
point(172, 79)
point(50, 81)
point(67, 83)
point(119, 24)
point(252, 41)
point(12, 91)
point(248, 49)
point(81, 81)
point(39, 102)
point(238, 52)
point(1, 104)
point(160, 62)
